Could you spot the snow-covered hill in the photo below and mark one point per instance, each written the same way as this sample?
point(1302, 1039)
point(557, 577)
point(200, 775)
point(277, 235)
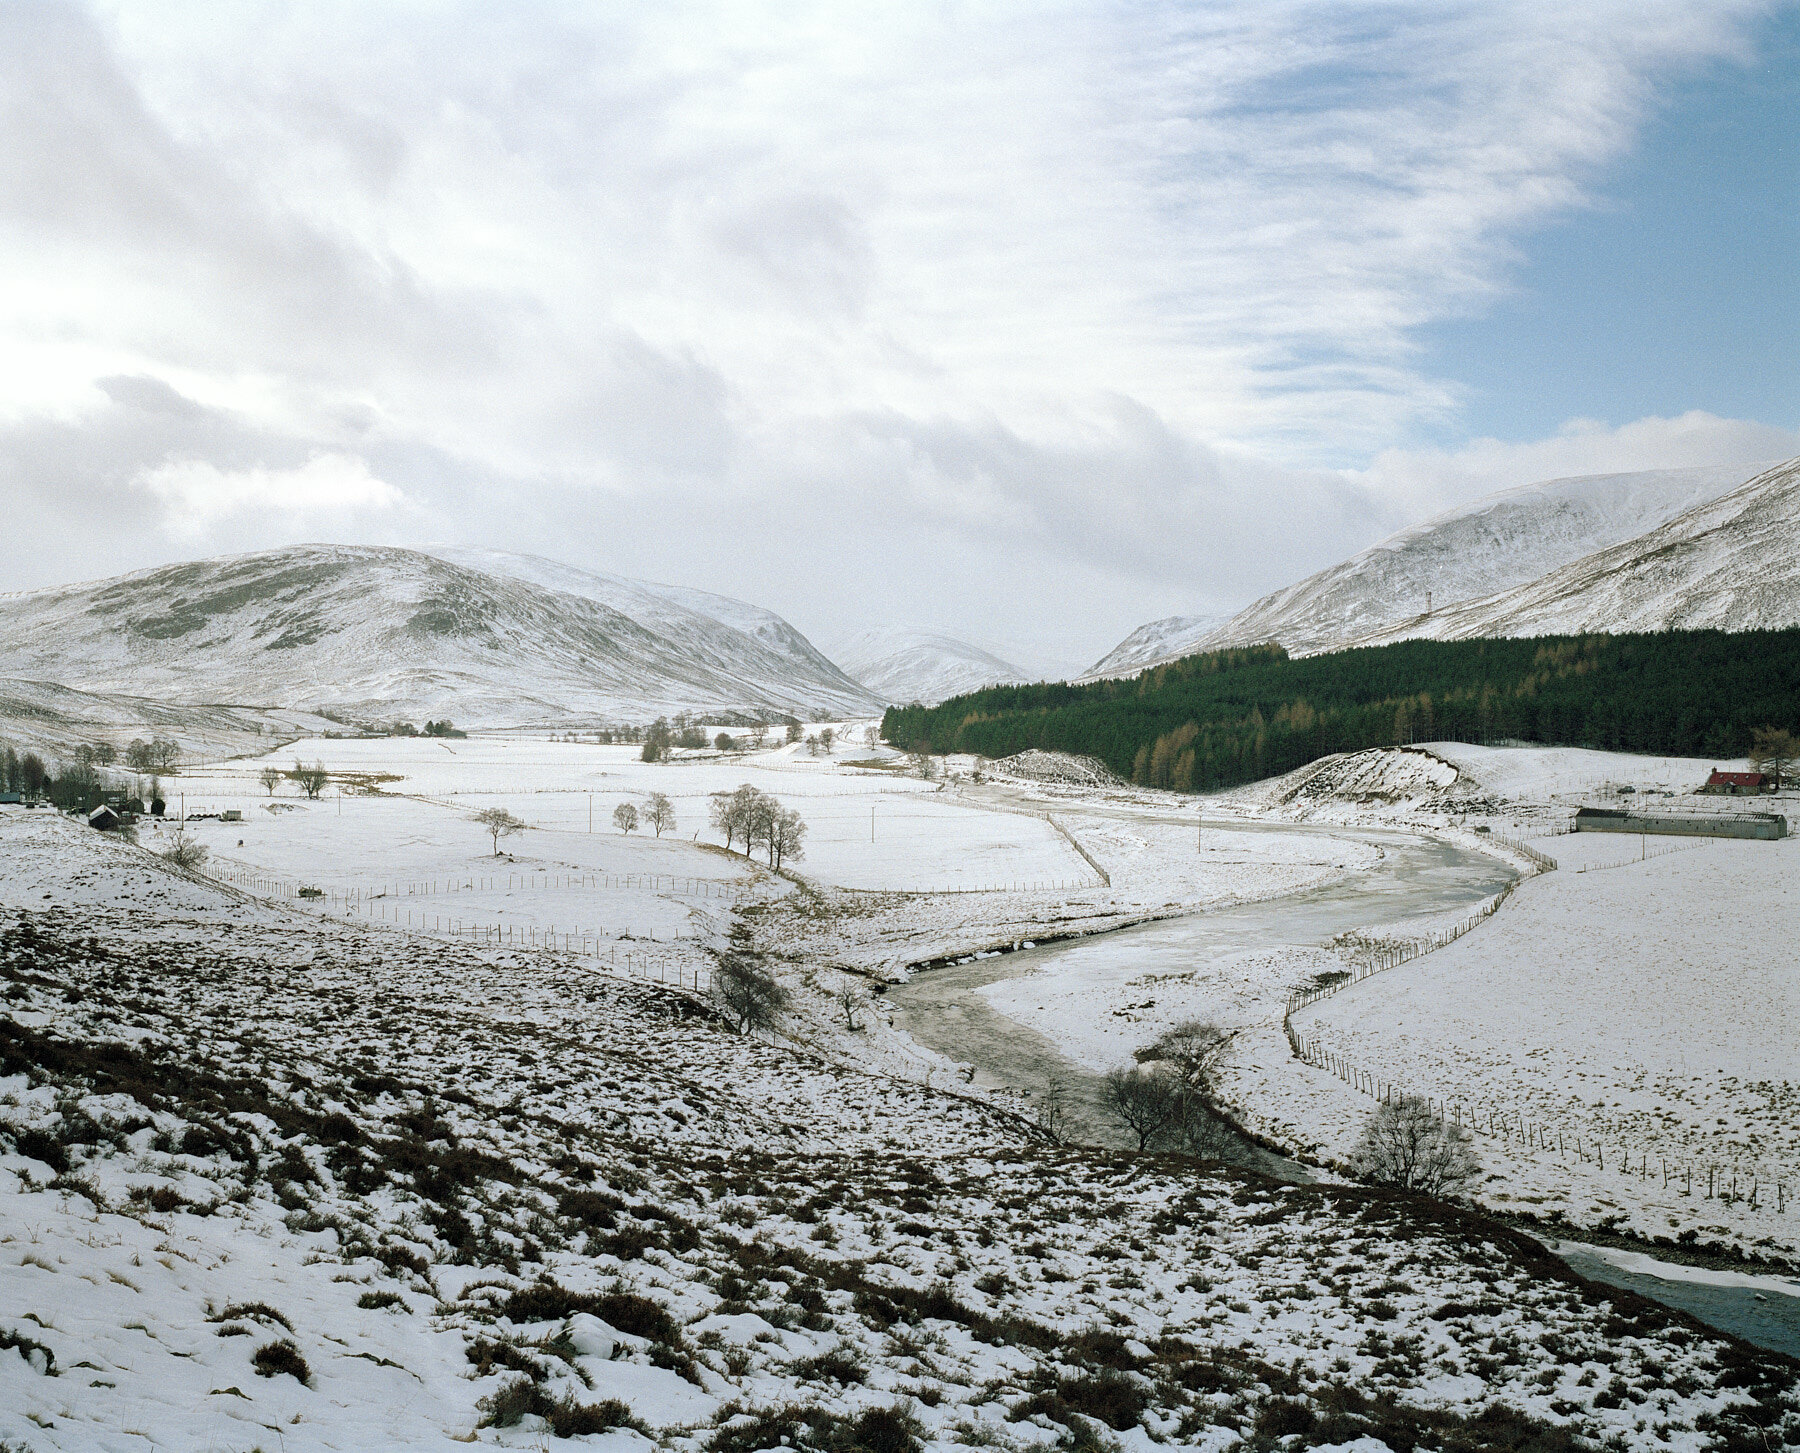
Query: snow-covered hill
point(378, 633)
point(903, 665)
point(1504, 540)
point(1164, 640)
point(1731, 563)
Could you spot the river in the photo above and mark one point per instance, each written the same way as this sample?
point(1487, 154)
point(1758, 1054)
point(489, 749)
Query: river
point(945, 1009)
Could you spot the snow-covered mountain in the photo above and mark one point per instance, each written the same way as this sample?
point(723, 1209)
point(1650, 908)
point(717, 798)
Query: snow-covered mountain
point(903, 665)
point(378, 633)
point(1731, 563)
point(1164, 640)
point(685, 616)
point(1477, 550)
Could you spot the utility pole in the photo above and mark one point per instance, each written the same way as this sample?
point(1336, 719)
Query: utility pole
point(871, 822)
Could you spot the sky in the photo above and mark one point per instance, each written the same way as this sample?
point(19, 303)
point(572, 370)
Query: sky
point(1028, 323)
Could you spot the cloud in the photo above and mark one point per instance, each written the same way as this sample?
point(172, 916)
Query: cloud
point(1060, 317)
point(1418, 483)
point(196, 495)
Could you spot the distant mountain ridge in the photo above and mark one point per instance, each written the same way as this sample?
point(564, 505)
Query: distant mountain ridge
point(1501, 542)
point(378, 633)
point(1731, 563)
point(902, 665)
point(1163, 640)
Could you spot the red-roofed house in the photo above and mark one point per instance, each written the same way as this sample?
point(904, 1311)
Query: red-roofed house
point(1738, 784)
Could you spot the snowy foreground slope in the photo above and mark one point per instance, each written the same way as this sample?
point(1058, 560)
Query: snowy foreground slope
point(282, 1183)
point(1475, 551)
point(903, 665)
point(1732, 563)
point(381, 633)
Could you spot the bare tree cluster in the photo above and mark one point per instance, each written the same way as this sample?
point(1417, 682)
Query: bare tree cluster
point(1165, 1100)
point(758, 820)
point(1411, 1147)
point(159, 754)
point(310, 780)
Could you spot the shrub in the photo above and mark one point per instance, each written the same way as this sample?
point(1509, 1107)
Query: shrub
point(381, 1301)
point(632, 1314)
point(41, 1145)
point(25, 1347)
point(273, 1359)
point(253, 1311)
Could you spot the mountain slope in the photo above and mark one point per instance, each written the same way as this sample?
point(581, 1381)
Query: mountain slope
point(1465, 554)
point(674, 611)
point(1162, 640)
point(377, 633)
point(1732, 563)
point(903, 665)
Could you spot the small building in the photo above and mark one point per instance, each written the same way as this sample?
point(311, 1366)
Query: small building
point(1738, 784)
point(11, 799)
point(232, 814)
point(104, 818)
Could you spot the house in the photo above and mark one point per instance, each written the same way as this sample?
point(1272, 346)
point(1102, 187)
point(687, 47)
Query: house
point(1738, 784)
point(11, 799)
point(104, 818)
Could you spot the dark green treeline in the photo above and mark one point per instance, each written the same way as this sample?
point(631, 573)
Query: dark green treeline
point(1225, 717)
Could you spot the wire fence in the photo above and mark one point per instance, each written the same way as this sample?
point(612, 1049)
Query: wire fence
point(1724, 1178)
point(1647, 854)
point(628, 959)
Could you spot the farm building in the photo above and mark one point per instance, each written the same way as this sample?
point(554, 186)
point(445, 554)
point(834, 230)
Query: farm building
point(1738, 784)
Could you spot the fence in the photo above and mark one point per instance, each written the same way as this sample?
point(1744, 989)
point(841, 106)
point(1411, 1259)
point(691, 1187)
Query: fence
point(1645, 855)
point(633, 963)
point(1750, 1184)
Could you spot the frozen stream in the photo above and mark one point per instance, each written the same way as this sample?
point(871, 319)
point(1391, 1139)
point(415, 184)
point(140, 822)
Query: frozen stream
point(945, 1009)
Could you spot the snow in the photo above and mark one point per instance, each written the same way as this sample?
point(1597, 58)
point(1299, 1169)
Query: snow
point(376, 634)
point(903, 664)
point(1162, 640)
point(1644, 1011)
point(427, 1117)
point(1495, 544)
point(1728, 563)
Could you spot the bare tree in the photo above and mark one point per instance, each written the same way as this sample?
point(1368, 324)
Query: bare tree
point(1053, 1110)
point(270, 777)
point(625, 818)
point(499, 823)
point(921, 764)
point(1193, 1049)
point(311, 780)
point(1410, 1146)
point(184, 851)
point(849, 1000)
point(793, 732)
point(724, 742)
point(1774, 750)
point(746, 995)
point(827, 738)
point(1144, 1101)
point(759, 736)
point(660, 814)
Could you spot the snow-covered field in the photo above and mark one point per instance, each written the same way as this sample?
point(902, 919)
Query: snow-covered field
point(871, 829)
point(270, 1181)
point(1637, 1017)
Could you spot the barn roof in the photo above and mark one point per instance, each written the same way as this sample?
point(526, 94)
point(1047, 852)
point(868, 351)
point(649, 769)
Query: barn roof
point(1737, 779)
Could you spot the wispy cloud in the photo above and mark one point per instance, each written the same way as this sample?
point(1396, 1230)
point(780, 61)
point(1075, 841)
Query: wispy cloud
point(970, 284)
